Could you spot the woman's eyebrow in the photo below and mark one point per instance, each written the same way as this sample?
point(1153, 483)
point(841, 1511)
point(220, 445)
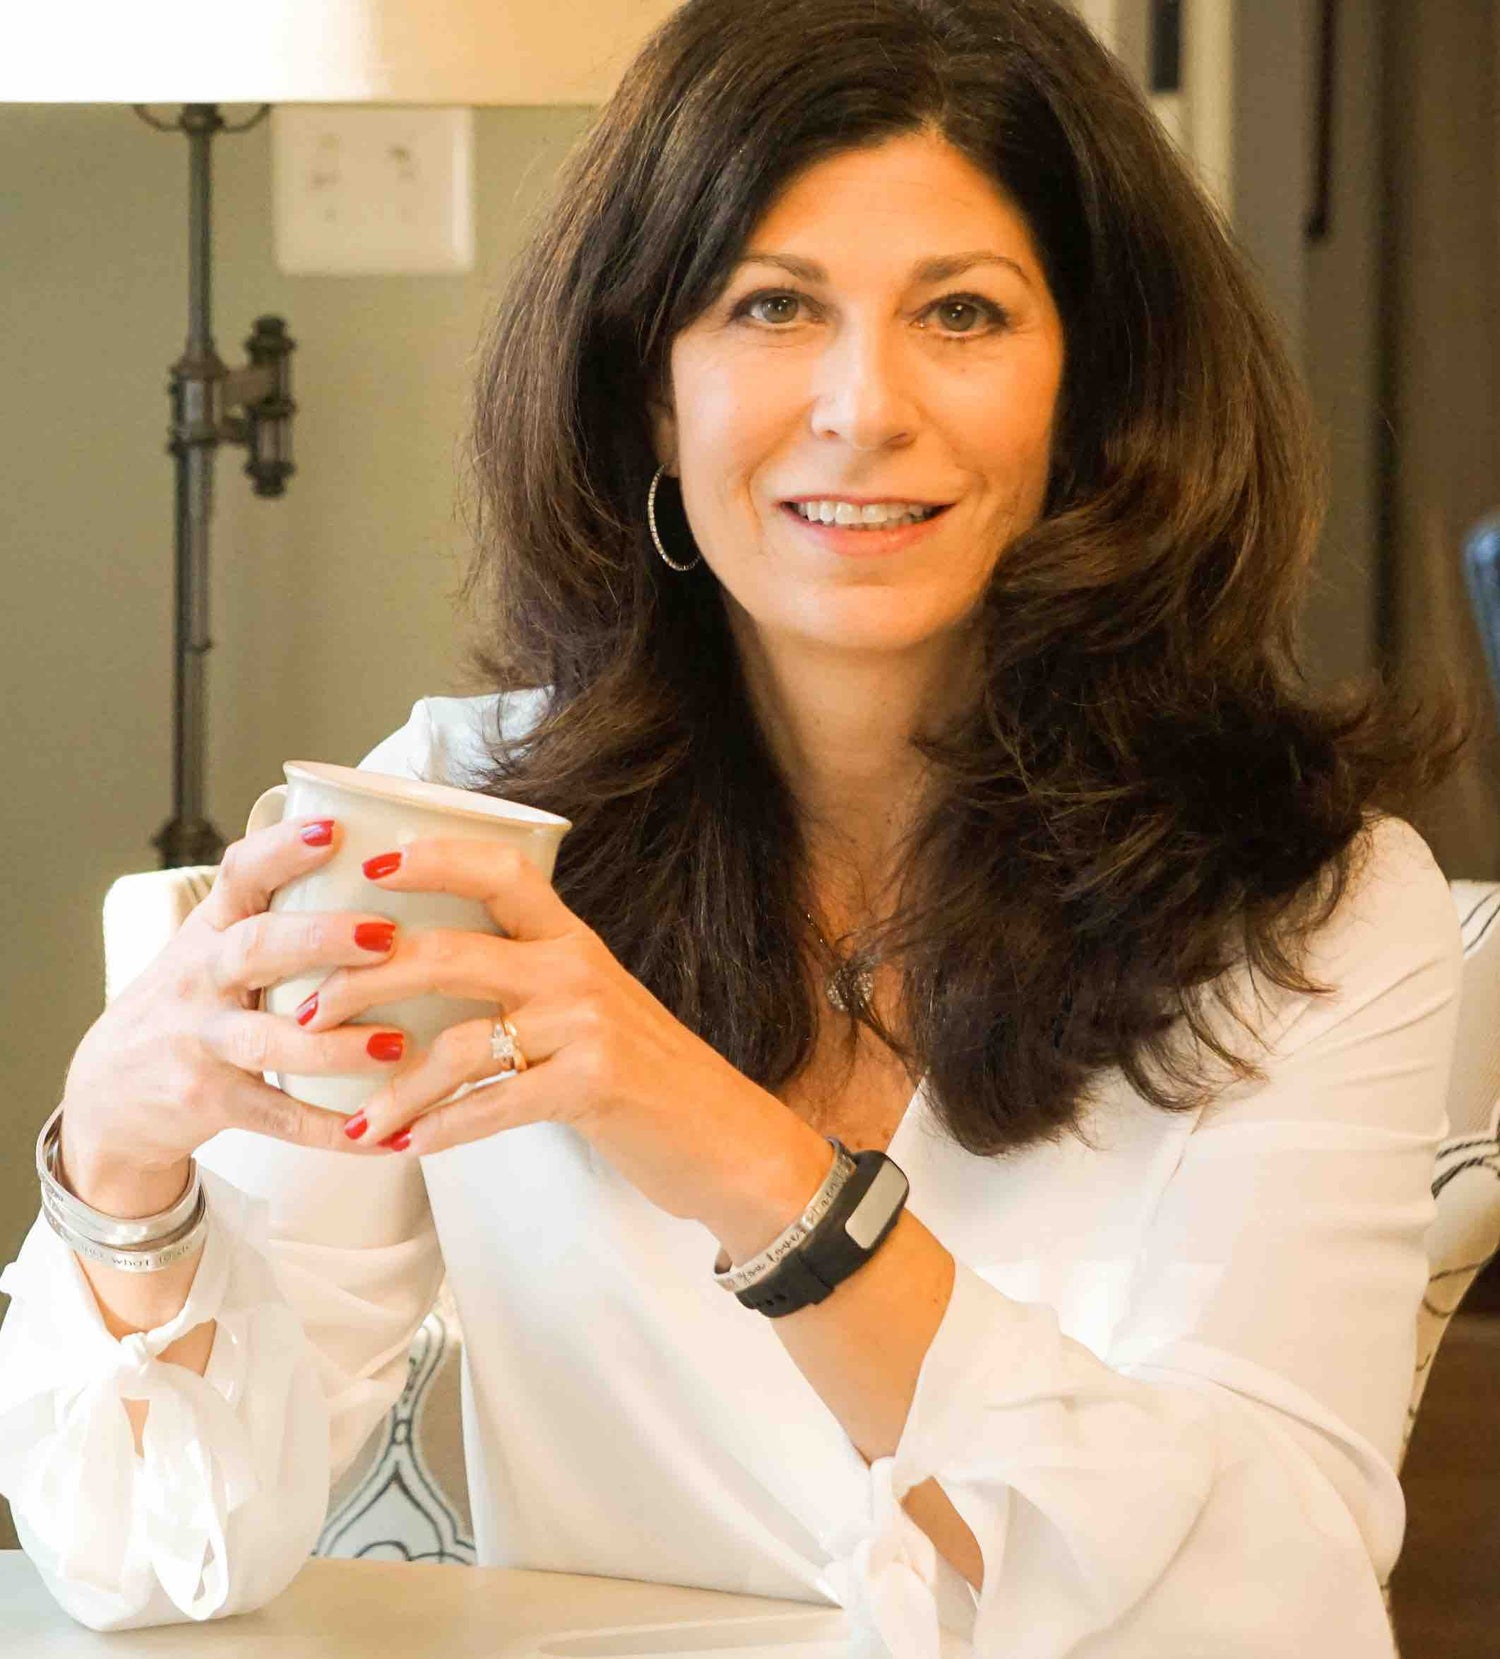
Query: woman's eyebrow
point(938, 269)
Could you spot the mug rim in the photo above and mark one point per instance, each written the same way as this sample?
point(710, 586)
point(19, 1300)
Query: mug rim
point(468, 803)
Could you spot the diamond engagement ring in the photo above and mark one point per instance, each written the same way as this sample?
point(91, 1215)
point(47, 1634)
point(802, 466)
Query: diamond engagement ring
point(505, 1051)
point(505, 1046)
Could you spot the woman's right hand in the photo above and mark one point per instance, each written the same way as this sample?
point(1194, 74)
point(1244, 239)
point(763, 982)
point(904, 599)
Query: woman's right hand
point(177, 1055)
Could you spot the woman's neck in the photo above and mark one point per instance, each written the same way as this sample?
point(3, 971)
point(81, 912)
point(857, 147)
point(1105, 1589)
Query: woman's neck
point(838, 724)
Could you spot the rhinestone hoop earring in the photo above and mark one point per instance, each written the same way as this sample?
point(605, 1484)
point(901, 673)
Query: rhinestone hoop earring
point(655, 534)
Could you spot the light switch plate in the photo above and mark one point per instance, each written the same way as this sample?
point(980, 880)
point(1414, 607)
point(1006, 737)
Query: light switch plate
point(362, 190)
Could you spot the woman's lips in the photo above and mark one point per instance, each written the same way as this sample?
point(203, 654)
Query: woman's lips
point(849, 542)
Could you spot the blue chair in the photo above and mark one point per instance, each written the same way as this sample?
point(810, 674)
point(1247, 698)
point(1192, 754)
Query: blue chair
point(1481, 562)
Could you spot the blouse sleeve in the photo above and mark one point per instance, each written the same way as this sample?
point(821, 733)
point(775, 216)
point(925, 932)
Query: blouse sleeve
point(1224, 1478)
point(318, 1270)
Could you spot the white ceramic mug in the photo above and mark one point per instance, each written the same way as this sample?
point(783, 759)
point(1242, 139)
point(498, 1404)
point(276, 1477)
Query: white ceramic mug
point(380, 813)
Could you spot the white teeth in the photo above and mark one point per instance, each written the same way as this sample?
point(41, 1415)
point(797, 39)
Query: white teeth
point(877, 513)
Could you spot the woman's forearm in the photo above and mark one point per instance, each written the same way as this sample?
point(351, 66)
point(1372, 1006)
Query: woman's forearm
point(862, 1347)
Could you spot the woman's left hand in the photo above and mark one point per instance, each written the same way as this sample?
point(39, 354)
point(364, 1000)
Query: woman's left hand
point(603, 1055)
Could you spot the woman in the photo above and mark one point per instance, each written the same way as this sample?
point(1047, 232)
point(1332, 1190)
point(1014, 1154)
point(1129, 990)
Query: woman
point(1008, 843)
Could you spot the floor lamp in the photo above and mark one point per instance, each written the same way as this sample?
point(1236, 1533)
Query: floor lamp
point(202, 55)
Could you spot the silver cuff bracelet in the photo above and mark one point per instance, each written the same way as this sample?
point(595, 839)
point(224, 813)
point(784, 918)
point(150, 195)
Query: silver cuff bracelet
point(145, 1244)
point(758, 1267)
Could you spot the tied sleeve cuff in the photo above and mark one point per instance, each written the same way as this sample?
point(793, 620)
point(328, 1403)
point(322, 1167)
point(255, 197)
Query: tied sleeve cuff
point(67, 1453)
point(1015, 1419)
point(1010, 1411)
point(904, 1600)
point(1107, 1507)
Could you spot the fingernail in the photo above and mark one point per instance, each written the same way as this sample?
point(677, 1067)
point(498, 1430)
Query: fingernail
point(386, 1045)
point(381, 865)
point(356, 1126)
point(399, 1141)
point(306, 1010)
point(375, 935)
point(318, 833)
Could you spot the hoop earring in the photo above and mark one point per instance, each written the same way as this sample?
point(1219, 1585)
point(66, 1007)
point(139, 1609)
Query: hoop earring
point(655, 534)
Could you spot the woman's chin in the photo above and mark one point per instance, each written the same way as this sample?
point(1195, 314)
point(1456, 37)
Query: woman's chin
point(889, 629)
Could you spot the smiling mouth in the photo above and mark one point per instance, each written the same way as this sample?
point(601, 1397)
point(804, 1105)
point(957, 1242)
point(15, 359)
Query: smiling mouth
point(926, 515)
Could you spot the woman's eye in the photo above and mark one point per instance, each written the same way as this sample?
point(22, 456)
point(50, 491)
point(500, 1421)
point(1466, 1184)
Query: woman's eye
point(747, 306)
point(983, 308)
point(780, 308)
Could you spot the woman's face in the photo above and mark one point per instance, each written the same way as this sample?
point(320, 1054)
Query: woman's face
point(860, 375)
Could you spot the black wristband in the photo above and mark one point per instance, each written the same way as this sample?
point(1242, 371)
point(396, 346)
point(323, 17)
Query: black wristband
point(856, 1225)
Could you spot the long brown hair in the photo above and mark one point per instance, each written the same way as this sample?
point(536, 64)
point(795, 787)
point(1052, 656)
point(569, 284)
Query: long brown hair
point(1146, 793)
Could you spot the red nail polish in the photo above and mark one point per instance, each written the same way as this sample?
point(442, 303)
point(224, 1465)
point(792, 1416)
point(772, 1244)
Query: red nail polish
point(356, 1126)
point(383, 864)
point(318, 833)
point(400, 1140)
point(375, 935)
point(306, 1010)
point(386, 1045)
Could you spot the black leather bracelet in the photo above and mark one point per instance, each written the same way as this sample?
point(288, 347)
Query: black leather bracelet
point(858, 1223)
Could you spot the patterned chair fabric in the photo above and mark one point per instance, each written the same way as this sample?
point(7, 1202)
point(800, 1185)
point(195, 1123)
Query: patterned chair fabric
point(1465, 1233)
point(406, 1495)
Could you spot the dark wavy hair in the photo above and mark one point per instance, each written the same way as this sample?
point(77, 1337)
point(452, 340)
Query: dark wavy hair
point(1145, 791)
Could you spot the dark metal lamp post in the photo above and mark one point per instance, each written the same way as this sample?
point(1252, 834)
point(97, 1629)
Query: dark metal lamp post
point(211, 405)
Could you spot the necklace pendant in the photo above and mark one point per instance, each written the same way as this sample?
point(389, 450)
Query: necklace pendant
point(864, 986)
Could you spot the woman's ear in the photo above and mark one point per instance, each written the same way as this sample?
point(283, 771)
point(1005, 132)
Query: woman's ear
point(663, 420)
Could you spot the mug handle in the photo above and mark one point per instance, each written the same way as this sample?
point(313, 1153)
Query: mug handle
point(268, 810)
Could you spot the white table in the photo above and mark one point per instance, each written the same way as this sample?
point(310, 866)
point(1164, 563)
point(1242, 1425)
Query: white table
point(337, 1609)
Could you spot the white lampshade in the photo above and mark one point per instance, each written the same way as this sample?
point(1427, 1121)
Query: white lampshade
point(320, 51)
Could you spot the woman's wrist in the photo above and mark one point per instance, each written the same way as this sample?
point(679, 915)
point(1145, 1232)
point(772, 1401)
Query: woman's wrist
point(115, 1187)
point(776, 1173)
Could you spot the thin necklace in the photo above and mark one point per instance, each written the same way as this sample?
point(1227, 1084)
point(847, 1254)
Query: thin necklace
point(864, 982)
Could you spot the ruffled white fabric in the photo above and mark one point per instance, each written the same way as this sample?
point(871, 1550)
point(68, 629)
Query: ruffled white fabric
point(1119, 1516)
point(111, 1532)
point(902, 1596)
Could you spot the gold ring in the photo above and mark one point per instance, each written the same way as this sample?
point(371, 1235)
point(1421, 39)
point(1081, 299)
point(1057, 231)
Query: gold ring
point(505, 1045)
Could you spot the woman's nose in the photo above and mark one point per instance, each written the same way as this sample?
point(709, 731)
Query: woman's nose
point(862, 394)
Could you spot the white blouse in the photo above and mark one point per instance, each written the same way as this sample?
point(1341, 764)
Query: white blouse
point(1168, 1394)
